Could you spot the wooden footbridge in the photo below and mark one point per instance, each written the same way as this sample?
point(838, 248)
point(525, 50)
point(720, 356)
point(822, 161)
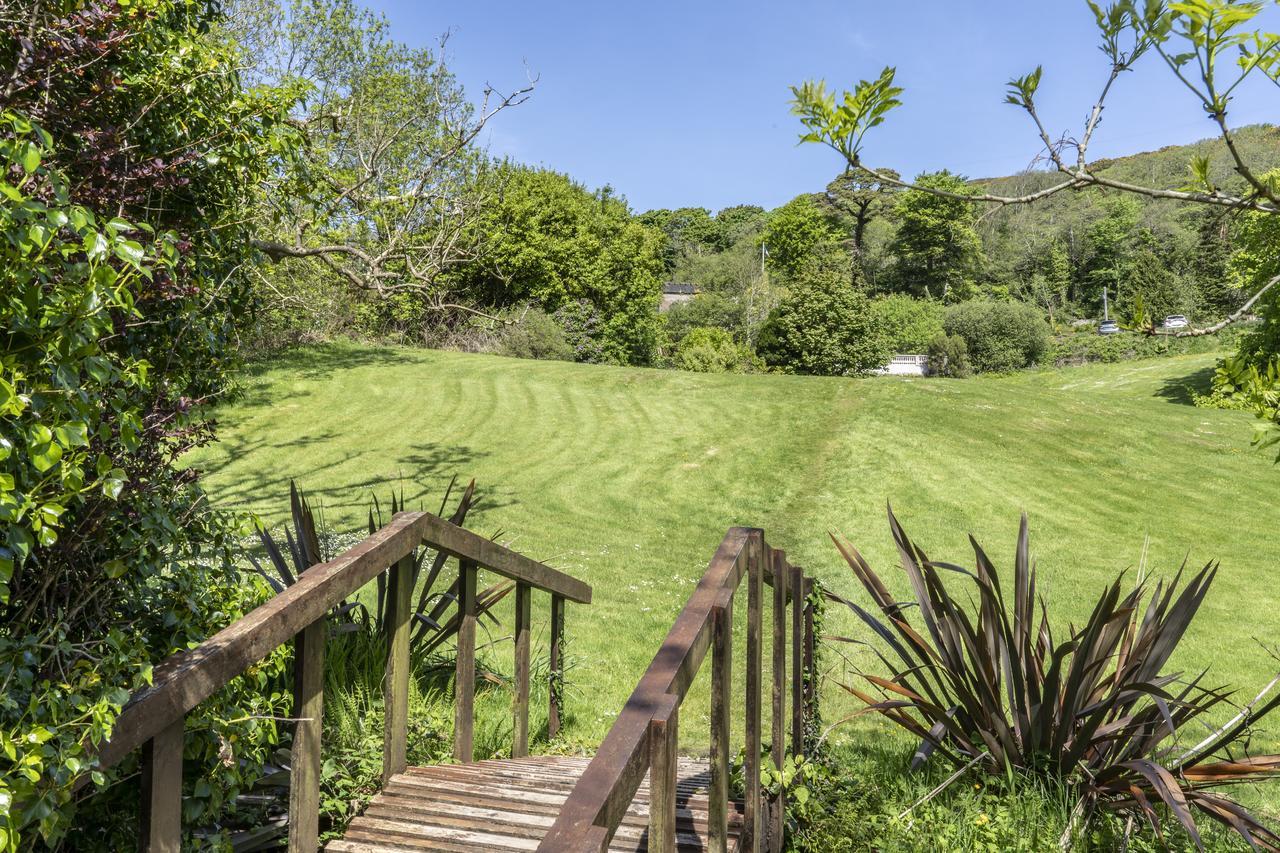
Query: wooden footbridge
point(637, 793)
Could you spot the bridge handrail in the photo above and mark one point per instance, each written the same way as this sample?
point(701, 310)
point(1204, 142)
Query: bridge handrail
point(644, 738)
point(153, 717)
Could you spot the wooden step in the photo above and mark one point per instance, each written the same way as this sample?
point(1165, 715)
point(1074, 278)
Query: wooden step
point(510, 805)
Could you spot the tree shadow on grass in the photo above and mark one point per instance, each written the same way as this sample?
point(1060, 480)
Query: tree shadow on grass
point(1184, 389)
point(316, 362)
point(421, 474)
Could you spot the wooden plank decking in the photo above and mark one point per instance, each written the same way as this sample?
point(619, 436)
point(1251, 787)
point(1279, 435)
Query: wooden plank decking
point(510, 805)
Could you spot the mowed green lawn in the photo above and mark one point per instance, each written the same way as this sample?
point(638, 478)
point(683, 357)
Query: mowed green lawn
point(628, 479)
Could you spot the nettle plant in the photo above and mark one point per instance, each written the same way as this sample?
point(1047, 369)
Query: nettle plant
point(987, 684)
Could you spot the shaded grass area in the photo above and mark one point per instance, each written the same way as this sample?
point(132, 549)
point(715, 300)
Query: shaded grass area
point(628, 479)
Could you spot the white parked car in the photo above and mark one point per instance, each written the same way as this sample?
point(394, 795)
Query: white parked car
point(1108, 327)
point(1175, 321)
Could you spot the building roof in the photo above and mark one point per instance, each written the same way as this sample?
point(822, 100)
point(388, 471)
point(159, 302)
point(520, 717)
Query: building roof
point(673, 287)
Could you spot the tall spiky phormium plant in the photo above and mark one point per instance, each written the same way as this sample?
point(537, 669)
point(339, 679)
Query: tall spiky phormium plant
point(995, 689)
point(304, 547)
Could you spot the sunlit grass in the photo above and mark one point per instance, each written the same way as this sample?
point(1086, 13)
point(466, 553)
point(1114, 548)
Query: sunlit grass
point(628, 479)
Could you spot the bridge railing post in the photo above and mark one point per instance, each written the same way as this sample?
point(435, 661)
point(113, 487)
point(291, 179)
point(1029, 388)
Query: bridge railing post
point(721, 704)
point(797, 585)
point(810, 673)
point(395, 687)
point(556, 677)
point(778, 729)
point(520, 710)
point(465, 667)
point(305, 758)
point(750, 840)
point(162, 792)
point(664, 759)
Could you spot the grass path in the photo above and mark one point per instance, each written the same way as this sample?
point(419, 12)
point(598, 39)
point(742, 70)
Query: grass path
point(628, 478)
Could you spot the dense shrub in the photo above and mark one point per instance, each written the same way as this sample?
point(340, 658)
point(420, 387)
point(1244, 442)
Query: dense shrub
point(128, 154)
point(824, 326)
point(710, 350)
point(549, 241)
point(582, 326)
point(1000, 336)
point(536, 334)
point(706, 310)
point(910, 324)
point(949, 356)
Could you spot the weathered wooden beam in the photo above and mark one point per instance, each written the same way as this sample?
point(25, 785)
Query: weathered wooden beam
point(185, 680)
point(462, 543)
point(589, 817)
point(520, 723)
point(555, 689)
point(778, 729)
point(663, 760)
point(305, 756)
point(161, 830)
point(750, 839)
point(810, 641)
point(395, 686)
point(721, 716)
point(465, 672)
point(796, 584)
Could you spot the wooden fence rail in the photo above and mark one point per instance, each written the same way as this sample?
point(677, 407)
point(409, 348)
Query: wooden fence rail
point(153, 718)
point(644, 738)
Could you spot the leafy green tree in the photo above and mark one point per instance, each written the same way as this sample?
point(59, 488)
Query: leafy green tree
point(824, 326)
point(1110, 241)
point(859, 199)
point(910, 324)
point(798, 235)
point(377, 206)
point(548, 240)
point(707, 349)
point(739, 222)
point(130, 157)
point(1045, 279)
point(936, 249)
point(706, 310)
point(998, 336)
point(949, 357)
point(1255, 261)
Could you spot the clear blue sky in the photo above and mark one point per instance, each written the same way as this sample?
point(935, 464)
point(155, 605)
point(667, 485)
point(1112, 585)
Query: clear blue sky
point(685, 103)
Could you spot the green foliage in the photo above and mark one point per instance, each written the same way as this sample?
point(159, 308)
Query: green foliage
point(536, 334)
point(824, 326)
point(985, 684)
point(549, 241)
point(936, 249)
point(121, 288)
point(843, 125)
point(711, 350)
point(1000, 336)
point(949, 357)
point(798, 236)
point(710, 310)
point(911, 324)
